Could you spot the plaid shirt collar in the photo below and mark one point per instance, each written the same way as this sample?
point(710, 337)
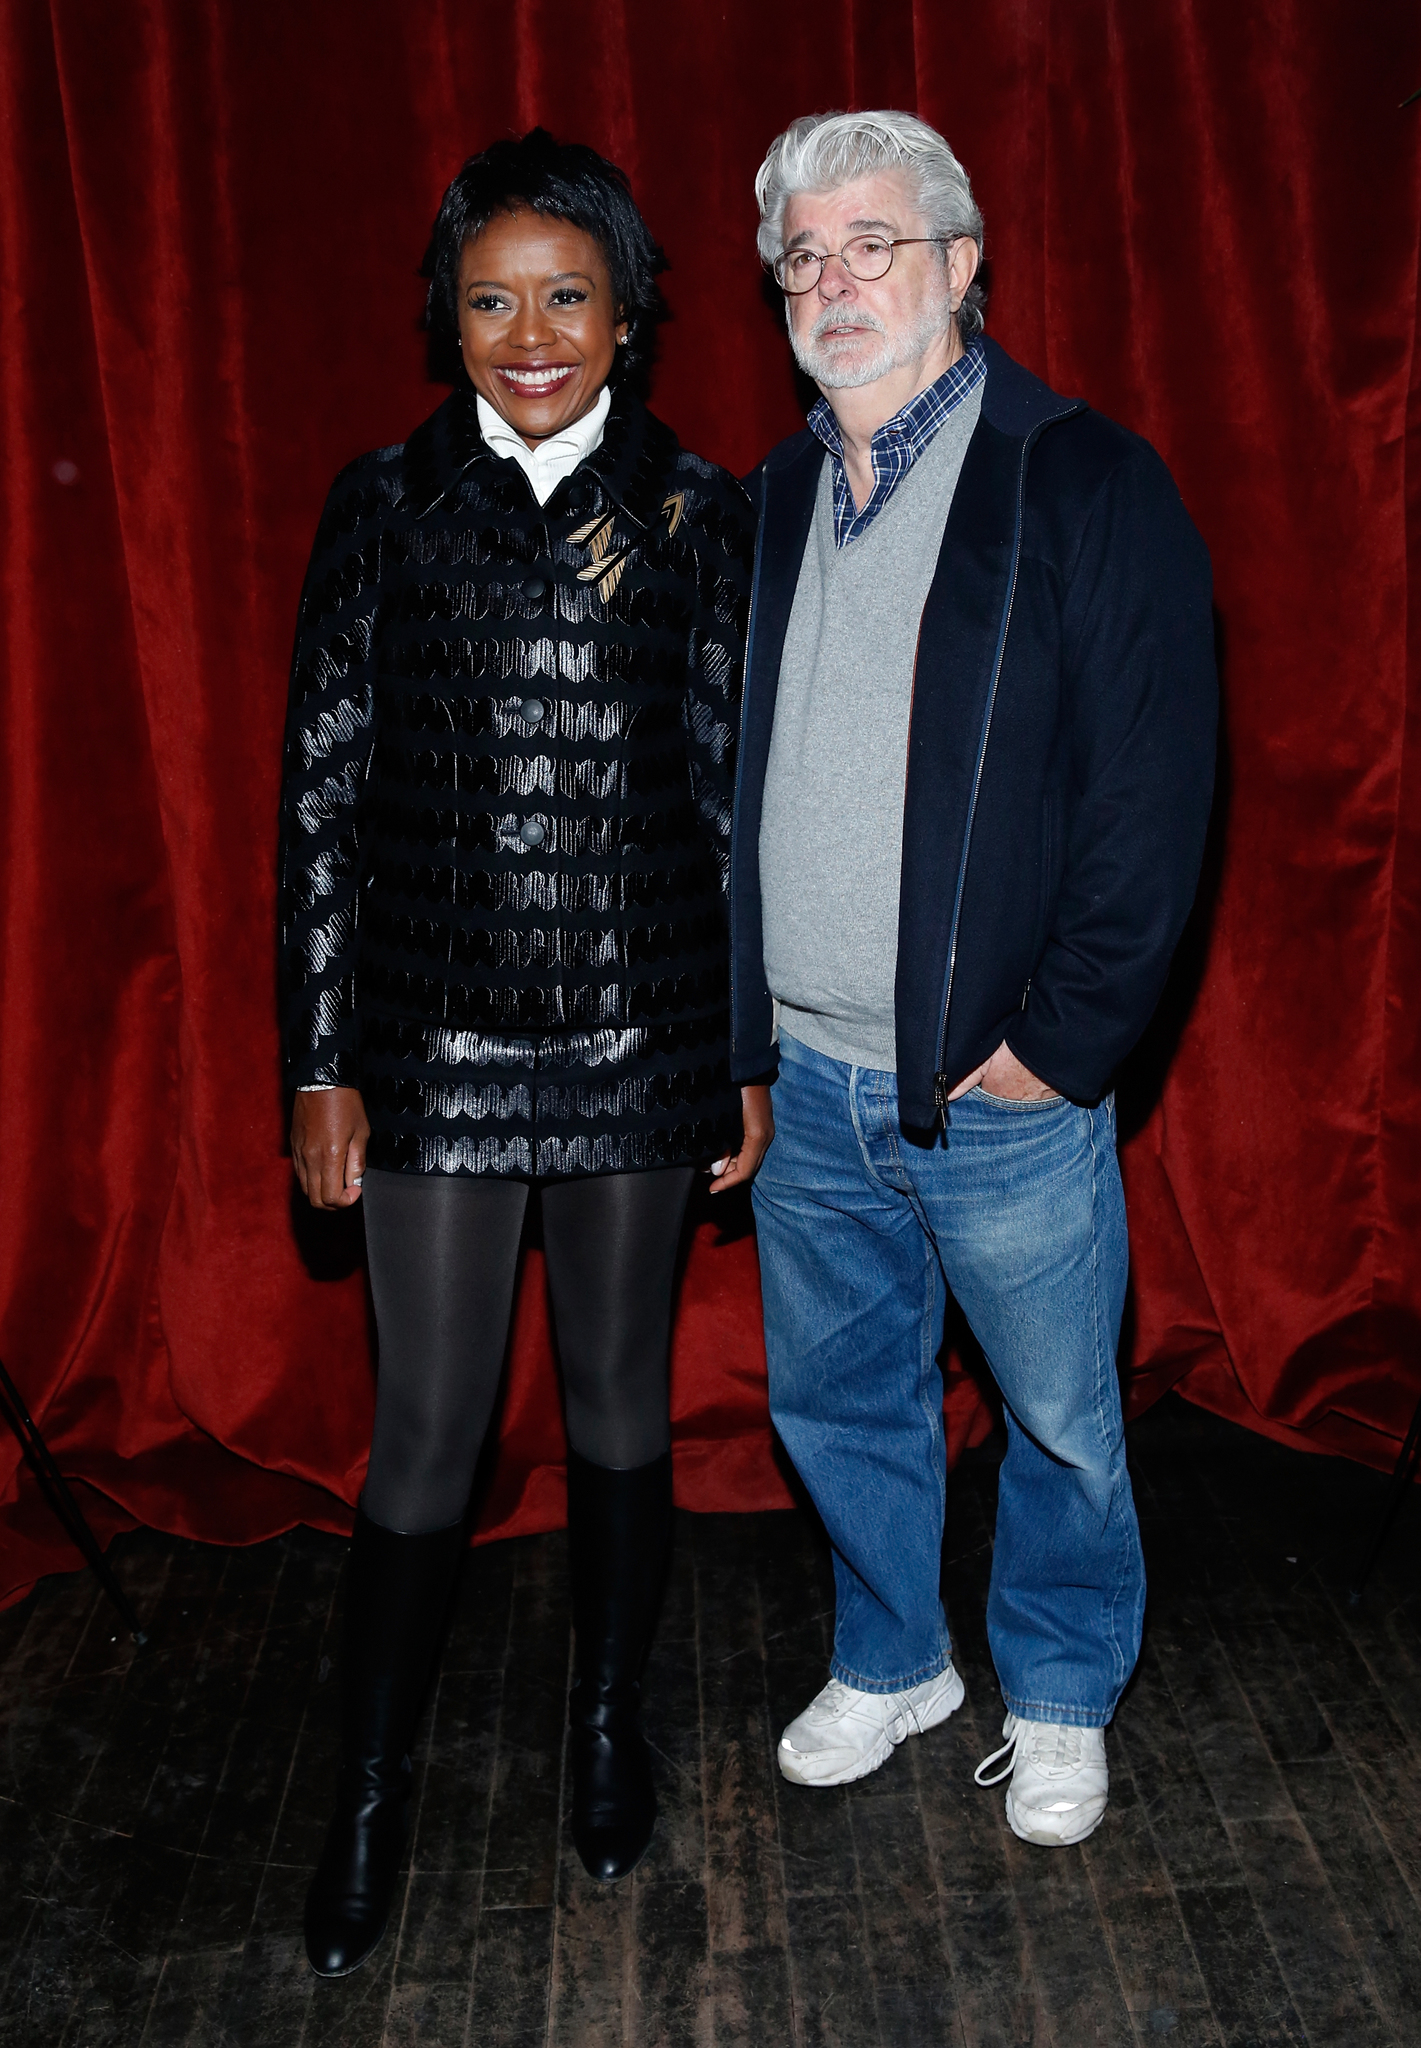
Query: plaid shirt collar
point(897, 444)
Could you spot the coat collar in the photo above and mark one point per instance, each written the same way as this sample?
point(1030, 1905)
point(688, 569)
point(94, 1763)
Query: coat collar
point(636, 459)
point(440, 449)
point(1015, 402)
point(633, 463)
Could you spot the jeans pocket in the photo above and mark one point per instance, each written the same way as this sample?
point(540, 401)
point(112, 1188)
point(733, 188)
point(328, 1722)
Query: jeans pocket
point(1032, 1102)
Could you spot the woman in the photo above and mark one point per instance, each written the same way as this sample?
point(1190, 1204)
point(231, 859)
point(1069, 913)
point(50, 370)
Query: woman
point(506, 818)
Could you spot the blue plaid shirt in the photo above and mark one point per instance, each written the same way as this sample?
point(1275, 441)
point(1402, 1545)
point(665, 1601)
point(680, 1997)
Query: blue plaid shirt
point(897, 444)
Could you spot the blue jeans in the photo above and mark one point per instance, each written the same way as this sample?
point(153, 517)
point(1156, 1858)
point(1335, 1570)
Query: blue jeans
point(1019, 1210)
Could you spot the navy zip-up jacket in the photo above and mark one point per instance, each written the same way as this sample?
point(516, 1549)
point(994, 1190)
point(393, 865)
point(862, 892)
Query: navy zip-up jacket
point(1060, 750)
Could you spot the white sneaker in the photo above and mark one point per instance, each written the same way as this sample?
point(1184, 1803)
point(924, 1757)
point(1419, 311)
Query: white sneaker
point(843, 1734)
point(1059, 1780)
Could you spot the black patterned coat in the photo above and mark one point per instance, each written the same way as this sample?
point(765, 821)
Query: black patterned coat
point(507, 800)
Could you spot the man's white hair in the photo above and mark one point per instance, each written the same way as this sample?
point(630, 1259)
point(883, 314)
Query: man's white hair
point(820, 152)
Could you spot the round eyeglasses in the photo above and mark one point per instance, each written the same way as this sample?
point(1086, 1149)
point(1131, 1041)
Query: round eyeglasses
point(865, 258)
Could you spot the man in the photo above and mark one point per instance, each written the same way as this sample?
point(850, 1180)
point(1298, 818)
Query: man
point(976, 769)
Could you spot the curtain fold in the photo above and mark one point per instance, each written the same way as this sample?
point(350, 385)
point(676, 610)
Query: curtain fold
point(1205, 219)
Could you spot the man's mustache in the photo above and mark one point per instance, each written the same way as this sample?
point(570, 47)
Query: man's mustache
point(836, 316)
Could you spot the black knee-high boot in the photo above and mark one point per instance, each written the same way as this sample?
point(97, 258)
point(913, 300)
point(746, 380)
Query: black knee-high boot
point(619, 1534)
point(396, 1603)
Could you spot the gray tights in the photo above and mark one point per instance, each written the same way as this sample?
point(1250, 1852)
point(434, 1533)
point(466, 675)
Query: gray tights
point(443, 1259)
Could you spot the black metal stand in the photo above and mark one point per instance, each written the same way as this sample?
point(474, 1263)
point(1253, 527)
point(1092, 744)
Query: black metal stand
point(1402, 1474)
point(66, 1508)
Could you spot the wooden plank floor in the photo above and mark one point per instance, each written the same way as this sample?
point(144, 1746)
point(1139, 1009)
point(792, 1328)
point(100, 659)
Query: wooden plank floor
point(1256, 1880)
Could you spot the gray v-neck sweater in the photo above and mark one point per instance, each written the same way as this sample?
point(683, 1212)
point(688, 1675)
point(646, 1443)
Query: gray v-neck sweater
point(831, 833)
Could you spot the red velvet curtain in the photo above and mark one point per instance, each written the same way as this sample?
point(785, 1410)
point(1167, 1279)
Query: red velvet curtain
point(1202, 216)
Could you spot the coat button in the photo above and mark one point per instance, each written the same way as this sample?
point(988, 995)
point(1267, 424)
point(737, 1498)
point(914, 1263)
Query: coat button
point(535, 589)
point(533, 709)
point(531, 832)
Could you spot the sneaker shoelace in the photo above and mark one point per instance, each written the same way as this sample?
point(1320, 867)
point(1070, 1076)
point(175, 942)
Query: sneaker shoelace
point(839, 1702)
point(1007, 1750)
point(835, 1701)
point(1054, 1750)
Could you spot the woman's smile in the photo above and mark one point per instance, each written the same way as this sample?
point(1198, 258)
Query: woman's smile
point(538, 381)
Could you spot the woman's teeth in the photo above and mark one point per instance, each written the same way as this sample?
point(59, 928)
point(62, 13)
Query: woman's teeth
point(537, 380)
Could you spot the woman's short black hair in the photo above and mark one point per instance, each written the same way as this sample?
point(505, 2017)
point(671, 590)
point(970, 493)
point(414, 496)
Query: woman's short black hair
point(567, 181)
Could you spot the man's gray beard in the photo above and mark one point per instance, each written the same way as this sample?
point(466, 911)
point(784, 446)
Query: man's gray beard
point(827, 365)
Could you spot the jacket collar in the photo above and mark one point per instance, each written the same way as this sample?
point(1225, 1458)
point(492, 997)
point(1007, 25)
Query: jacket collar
point(633, 463)
point(1015, 402)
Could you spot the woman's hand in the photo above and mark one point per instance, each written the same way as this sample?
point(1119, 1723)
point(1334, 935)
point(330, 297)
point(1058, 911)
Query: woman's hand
point(329, 1133)
point(759, 1121)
